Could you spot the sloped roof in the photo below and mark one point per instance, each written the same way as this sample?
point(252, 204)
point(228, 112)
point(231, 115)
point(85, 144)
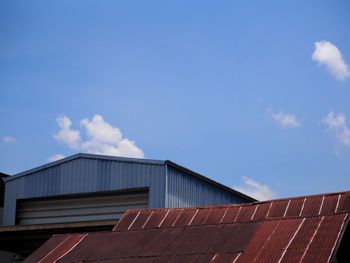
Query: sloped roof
point(86, 156)
point(302, 229)
point(128, 160)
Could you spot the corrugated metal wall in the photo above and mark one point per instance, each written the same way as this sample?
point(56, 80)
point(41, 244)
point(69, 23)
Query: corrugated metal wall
point(83, 175)
point(168, 185)
point(184, 190)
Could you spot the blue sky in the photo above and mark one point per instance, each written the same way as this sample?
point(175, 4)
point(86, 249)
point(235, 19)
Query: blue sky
point(254, 94)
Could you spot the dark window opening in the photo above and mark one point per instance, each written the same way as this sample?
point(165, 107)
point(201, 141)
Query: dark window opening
point(343, 255)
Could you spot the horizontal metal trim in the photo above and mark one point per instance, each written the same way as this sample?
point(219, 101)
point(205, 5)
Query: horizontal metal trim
point(79, 208)
point(16, 228)
point(89, 194)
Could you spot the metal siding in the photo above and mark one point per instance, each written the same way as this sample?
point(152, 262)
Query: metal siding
point(10, 203)
point(79, 208)
point(13, 190)
point(184, 190)
point(84, 175)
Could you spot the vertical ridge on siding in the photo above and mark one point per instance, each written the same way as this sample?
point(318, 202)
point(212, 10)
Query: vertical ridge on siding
point(85, 175)
point(168, 185)
point(185, 190)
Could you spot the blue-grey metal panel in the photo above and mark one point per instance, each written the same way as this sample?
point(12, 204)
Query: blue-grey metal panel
point(185, 190)
point(169, 184)
point(13, 190)
point(84, 175)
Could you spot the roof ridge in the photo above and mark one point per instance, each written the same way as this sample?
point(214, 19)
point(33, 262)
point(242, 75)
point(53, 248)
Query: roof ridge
point(86, 156)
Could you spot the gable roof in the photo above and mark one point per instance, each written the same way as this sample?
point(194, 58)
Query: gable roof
point(302, 229)
point(86, 156)
point(129, 160)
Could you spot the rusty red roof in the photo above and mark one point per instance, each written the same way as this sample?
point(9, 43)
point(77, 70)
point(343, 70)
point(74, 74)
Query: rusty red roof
point(302, 229)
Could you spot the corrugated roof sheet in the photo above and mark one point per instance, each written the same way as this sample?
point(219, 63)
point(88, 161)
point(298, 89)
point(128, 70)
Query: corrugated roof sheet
point(303, 229)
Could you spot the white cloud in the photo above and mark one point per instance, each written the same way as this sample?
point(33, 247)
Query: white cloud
point(8, 139)
point(66, 134)
point(329, 55)
point(286, 120)
point(255, 189)
point(102, 138)
point(337, 124)
point(99, 130)
point(55, 157)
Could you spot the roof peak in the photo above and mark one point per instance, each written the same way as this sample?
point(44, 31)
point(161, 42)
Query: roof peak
point(85, 156)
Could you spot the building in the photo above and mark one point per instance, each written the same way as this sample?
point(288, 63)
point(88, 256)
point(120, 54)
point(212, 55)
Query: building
point(303, 229)
point(2, 194)
point(86, 193)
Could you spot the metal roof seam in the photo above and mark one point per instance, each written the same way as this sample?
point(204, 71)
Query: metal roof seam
point(240, 208)
point(285, 212)
point(147, 219)
point(234, 261)
point(336, 241)
point(312, 238)
point(133, 221)
point(336, 207)
point(319, 211)
point(71, 248)
point(268, 211)
point(256, 208)
point(302, 207)
point(222, 218)
point(189, 223)
point(267, 240)
point(41, 260)
point(291, 240)
point(177, 218)
point(213, 258)
point(207, 216)
point(161, 222)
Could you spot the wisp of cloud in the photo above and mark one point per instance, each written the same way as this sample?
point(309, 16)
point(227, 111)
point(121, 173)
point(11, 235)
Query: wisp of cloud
point(329, 55)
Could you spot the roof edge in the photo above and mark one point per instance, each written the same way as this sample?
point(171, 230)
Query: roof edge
point(217, 184)
point(86, 156)
point(245, 204)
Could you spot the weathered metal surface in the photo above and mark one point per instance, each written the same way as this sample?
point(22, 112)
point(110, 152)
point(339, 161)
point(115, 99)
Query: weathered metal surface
point(344, 203)
point(225, 257)
point(63, 248)
point(305, 229)
point(48, 246)
point(278, 209)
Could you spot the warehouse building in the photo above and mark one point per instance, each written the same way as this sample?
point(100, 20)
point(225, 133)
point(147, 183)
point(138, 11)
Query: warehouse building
point(86, 193)
point(2, 194)
point(304, 229)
